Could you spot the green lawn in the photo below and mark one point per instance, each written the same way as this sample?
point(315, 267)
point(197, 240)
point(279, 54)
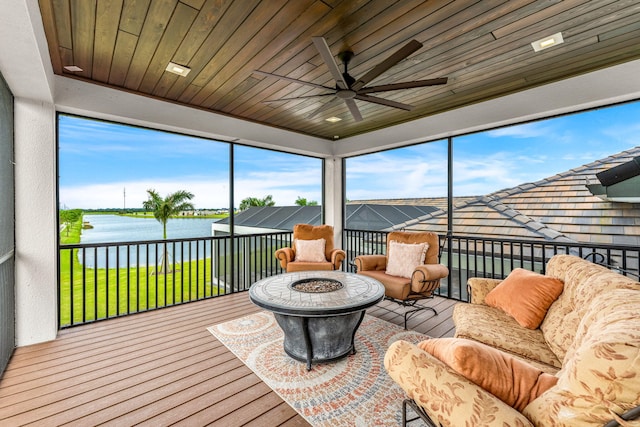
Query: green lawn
point(109, 293)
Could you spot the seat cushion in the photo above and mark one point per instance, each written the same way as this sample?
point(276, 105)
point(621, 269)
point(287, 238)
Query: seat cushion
point(394, 287)
point(494, 327)
point(308, 266)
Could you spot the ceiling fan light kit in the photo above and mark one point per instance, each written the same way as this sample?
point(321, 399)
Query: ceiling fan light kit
point(348, 89)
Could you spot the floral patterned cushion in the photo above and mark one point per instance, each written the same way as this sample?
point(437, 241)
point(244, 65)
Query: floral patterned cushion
point(583, 281)
point(449, 398)
point(601, 372)
point(494, 327)
point(511, 380)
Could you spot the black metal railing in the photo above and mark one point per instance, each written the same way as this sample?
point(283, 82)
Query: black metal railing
point(105, 280)
point(468, 256)
point(102, 281)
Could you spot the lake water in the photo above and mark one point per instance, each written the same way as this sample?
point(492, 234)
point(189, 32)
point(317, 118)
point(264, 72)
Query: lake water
point(116, 228)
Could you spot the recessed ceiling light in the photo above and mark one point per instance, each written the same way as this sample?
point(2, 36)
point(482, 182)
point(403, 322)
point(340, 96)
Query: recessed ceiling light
point(547, 42)
point(333, 119)
point(178, 69)
point(73, 68)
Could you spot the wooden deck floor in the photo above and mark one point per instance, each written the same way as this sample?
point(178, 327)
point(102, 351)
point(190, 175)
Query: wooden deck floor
point(156, 368)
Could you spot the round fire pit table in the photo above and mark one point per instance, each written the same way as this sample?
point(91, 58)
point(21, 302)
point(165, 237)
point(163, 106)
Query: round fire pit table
point(318, 311)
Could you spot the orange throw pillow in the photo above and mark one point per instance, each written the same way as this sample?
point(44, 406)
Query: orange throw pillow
point(511, 380)
point(526, 296)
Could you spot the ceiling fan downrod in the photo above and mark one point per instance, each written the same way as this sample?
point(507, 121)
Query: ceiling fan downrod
point(345, 57)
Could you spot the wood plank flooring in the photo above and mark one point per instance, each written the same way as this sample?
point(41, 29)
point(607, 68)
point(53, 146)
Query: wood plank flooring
point(157, 368)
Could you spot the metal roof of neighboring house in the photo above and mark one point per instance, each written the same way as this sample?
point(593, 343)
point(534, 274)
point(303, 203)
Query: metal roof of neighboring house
point(359, 216)
point(276, 217)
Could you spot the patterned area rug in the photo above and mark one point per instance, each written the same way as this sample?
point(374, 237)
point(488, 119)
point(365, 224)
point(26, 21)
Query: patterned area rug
point(354, 391)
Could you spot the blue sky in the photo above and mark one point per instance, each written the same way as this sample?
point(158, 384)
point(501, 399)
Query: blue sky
point(99, 161)
point(493, 160)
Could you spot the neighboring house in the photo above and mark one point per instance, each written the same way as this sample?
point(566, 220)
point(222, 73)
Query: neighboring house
point(560, 208)
point(373, 217)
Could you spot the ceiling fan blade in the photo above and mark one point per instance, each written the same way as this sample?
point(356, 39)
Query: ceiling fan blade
point(385, 102)
point(264, 73)
point(298, 97)
point(401, 54)
point(355, 112)
point(405, 85)
point(323, 107)
point(327, 57)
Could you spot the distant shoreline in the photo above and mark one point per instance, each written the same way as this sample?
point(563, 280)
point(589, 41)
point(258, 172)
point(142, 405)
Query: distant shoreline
point(150, 215)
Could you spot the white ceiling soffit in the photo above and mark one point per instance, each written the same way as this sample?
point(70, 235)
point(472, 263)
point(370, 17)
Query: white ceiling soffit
point(24, 62)
point(81, 98)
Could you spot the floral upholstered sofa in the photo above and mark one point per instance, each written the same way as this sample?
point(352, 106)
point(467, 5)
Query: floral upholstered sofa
point(578, 366)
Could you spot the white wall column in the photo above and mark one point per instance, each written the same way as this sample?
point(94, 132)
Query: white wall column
point(35, 253)
point(333, 197)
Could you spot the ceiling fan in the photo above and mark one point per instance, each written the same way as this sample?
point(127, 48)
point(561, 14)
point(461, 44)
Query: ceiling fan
point(348, 89)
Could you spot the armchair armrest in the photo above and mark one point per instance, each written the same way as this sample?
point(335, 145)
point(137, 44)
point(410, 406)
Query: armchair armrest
point(370, 262)
point(426, 277)
point(285, 255)
point(479, 287)
point(448, 398)
point(337, 256)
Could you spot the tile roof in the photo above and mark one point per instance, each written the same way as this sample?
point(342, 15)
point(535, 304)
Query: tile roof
point(558, 208)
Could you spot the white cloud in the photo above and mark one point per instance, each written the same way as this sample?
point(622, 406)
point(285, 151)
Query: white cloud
point(285, 187)
point(528, 130)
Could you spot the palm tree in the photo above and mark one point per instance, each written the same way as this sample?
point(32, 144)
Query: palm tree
point(302, 201)
point(163, 209)
point(254, 201)
point(171, 205)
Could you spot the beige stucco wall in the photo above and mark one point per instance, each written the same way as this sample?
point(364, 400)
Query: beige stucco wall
point(35, 260)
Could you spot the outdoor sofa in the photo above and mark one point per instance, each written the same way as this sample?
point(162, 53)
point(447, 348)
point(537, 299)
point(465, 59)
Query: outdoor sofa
point(579, 367)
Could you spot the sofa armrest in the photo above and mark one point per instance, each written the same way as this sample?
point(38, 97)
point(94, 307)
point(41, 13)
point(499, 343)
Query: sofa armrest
point(370, 262)
point(337, 256)
point(447, 397)
point(285, 256)
point(479, 287)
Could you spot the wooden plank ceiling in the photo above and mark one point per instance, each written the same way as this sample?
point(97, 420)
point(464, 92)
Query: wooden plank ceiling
point(483, 47)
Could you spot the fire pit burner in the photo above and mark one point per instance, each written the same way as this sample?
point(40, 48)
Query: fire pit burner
point(314, 285)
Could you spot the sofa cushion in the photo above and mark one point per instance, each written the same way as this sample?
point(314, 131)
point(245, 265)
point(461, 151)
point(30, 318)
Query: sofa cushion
point(601, 372)
point(403, 258)
point(310, 250)
point(511, 380)
point(494, 327)
point(583, 281)
point(449, 398)
point(526, 296)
